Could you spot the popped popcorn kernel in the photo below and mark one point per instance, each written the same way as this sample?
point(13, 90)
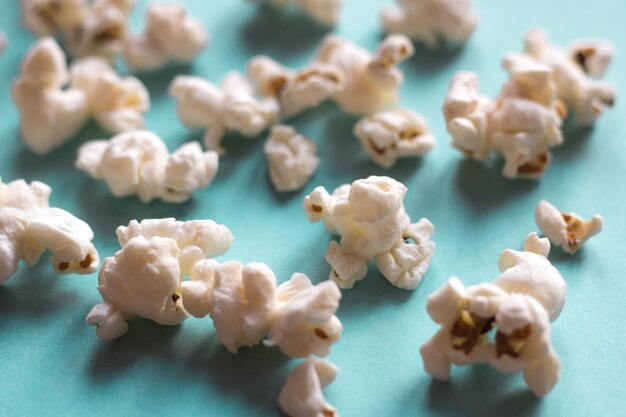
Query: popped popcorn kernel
point(302, 396)
point(326, 12)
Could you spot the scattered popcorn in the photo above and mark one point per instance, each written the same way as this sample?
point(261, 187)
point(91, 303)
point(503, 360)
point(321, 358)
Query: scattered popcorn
point(518, 305)
point(522, 124)
point(567, 230)
point(291, 158)
point(116, 103)
point(230, 107)
point(49, 115)
point(295, 90)
point(29, 227)
point(370, 82)
point(144, 277)
point(139, 163)
point(427, 21)
point(326, 12)
point(370, 218)
point(304, 321)
point(301, 396)
point(170, 35)
point(571, 69)
point(393, 134)
point(49, 17)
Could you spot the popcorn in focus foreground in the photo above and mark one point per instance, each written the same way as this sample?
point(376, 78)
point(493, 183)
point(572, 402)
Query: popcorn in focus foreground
point(144, 277)
point(326, 12)
point(428, 21)
point(170, 35)
point(29, 227)
point(291, 158)
point(519, 304)
point(369, 216)
point(567, 230)
point(302, 396)
point(390, 135)
point(139, 163)
point(49, 115)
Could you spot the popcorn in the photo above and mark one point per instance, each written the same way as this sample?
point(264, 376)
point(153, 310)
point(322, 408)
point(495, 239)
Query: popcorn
point(567, 230)
point(427, 21)
point(301, 396)
point(326, 12)
point(393, 134)
point(370, 82)
point(170, 35)
point(291, 158)
point(518, 305)
point(49, 116)
point(231, 106)
point(585, 98)
point(116, 103)
point(144, 277)
point(139, 163)
point(48, 17)
point(29, 227)
point(522, 124)
point(3, 42)
point(296, 91)
point(369, 216)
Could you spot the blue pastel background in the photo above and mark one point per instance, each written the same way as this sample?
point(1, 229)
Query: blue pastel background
point(52, 364)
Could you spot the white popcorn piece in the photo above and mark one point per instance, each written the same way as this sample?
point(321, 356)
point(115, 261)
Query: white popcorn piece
point(567, 230)
point(231, 106)
point(522, 124)
point(326, 12)
point(139, 163)
point(518, 306)
point(291, 158)
point(170, 35)
point(585, 98)
point(144, 277)
point(49, 17)
point(116, 103)
point(304, 321)
point(393, 134)
point(370, 218)
point(49, 115)
point(296, 91)
point(428, 21)
point(302, 396)
point(370, 81)
point(29, 227)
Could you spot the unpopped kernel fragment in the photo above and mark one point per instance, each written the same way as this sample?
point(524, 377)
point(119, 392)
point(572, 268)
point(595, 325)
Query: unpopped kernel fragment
point(567, 230)
point(144, 277)
point(49, 115)
point(370, 218)
point(170, 35)
point(393, 134)
point(291, 158)
point(326, 12)
point(302, 396)
point(116, 103)
point(29, 227)
point(231, 106)
point(518, 306)
point(139, 163)
point(428, 21)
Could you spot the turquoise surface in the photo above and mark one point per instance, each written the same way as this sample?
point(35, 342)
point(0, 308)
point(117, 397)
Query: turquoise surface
point(52, 364)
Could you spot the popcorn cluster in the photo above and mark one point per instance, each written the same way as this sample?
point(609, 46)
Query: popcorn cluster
point(326, 12)
point(370, 218)
point(29, 227)
point(138, 162)
point(519, 305)
point(428, 21)
point(144, 277)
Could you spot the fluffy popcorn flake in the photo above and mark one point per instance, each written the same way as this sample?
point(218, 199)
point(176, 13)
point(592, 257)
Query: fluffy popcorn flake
point(291, 158)
point(393, 134)
point(302, 396)
point(49, 17)
point(326, 12)
point(567, 230)
point(29, 227)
